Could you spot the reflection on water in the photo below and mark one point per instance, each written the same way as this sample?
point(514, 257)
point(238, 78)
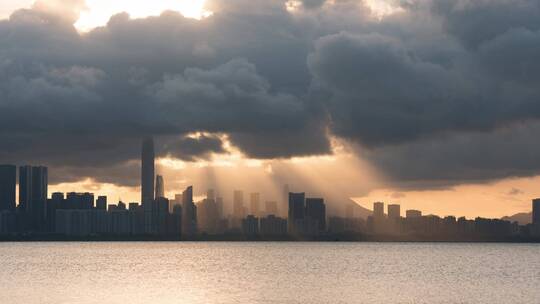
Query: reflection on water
point(269, 273)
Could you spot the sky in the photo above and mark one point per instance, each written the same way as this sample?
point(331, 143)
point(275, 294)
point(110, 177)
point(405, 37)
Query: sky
point(434, 105)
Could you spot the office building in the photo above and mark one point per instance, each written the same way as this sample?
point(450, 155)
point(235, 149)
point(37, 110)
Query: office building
point(33, 185)
point(378, 210)
point(160, 187)
point(413, 213)
point(536, 211)
point(270, 207)
point(147, 182)
point(296, 212)
point(254, 203)
point(250, 225)
point(316, 210)
point(273, 225)
point(8, 183)
point(189, 213)
point(101, 203)
point(394, 212)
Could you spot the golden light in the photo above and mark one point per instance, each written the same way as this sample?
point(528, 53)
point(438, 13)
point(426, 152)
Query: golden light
point(98, 12)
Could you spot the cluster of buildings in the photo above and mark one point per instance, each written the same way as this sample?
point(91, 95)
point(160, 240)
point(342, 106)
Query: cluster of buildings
point(416, 224)
point(297, 216)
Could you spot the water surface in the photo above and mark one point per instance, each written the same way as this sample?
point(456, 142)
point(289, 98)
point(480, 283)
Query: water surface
point(269, 273)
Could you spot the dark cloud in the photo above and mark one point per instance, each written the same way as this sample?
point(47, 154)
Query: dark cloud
point(461, 157)
point(430, 93)
point(193, 148)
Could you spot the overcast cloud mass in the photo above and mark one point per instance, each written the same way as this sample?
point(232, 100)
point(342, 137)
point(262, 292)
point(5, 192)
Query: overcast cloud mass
point(440, 90)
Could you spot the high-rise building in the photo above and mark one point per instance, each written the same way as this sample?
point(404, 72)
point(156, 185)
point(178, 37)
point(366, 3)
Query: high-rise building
point(25, 187)
point(296, 211)
point(33, 185)
point(238, 204)
point(189, 213)
point(101, 203)
point(160, 187)
point(413, 213)
point(316, 210)
point(536, 211)
point(270, 208)
point(219, 206)
point(394, 211)
point(147, 182)
point(378, 210)
point(255, 204)
point(284, 203)
point(8, 182)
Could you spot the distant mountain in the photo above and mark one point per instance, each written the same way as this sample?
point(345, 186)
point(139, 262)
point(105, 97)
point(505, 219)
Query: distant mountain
point(523, 218)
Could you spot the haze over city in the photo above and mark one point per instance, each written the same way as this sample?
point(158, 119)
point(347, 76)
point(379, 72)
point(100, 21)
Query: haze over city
point(404, 102)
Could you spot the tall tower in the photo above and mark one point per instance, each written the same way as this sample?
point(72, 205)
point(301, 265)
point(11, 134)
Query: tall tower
point(33, 185)
point(160, 187)
point(296, 211)
point(8, 181)
point(147, 182)
point(147, 171)
point(536, 211)
point(189, 213)
point(25, 187)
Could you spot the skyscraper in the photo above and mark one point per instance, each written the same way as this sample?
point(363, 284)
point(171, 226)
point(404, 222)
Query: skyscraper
point(270, 208)
point(189, 213)
point(316, 210)
point(394, 211)
point(296, 211)
point(238, 204)
point(378, 210)
point(413, 213)
point(255, 204)
point(147, 171)
point(160, 187)
point(147, 182)
point(25, 187)
point(33, 188)
point(8, 181)
point(536, 211)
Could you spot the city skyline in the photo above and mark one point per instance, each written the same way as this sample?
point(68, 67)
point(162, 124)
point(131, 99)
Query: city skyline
point(297, 216)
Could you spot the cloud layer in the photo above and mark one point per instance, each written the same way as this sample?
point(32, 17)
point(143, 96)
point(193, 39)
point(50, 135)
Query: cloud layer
point(443, 90)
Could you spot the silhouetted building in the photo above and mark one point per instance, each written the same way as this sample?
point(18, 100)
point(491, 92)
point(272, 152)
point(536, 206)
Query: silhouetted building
point(189, 213)
point(296, 212)
point(394, 218)
point(378, 210)
point(254, 203)
point(79, 201)
point(8, 183)
point(536, 211)
point(270, 207)
point(160, 187)
point(219, 206)
point(250, 225)
point(284, 201)
point(207, 216)
point(413, 213)
point(147, 182)
point(394, 211)
point(33, 185)
point(273, 225)
point(239, 211)
point(101, 203)
point(316, 210)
